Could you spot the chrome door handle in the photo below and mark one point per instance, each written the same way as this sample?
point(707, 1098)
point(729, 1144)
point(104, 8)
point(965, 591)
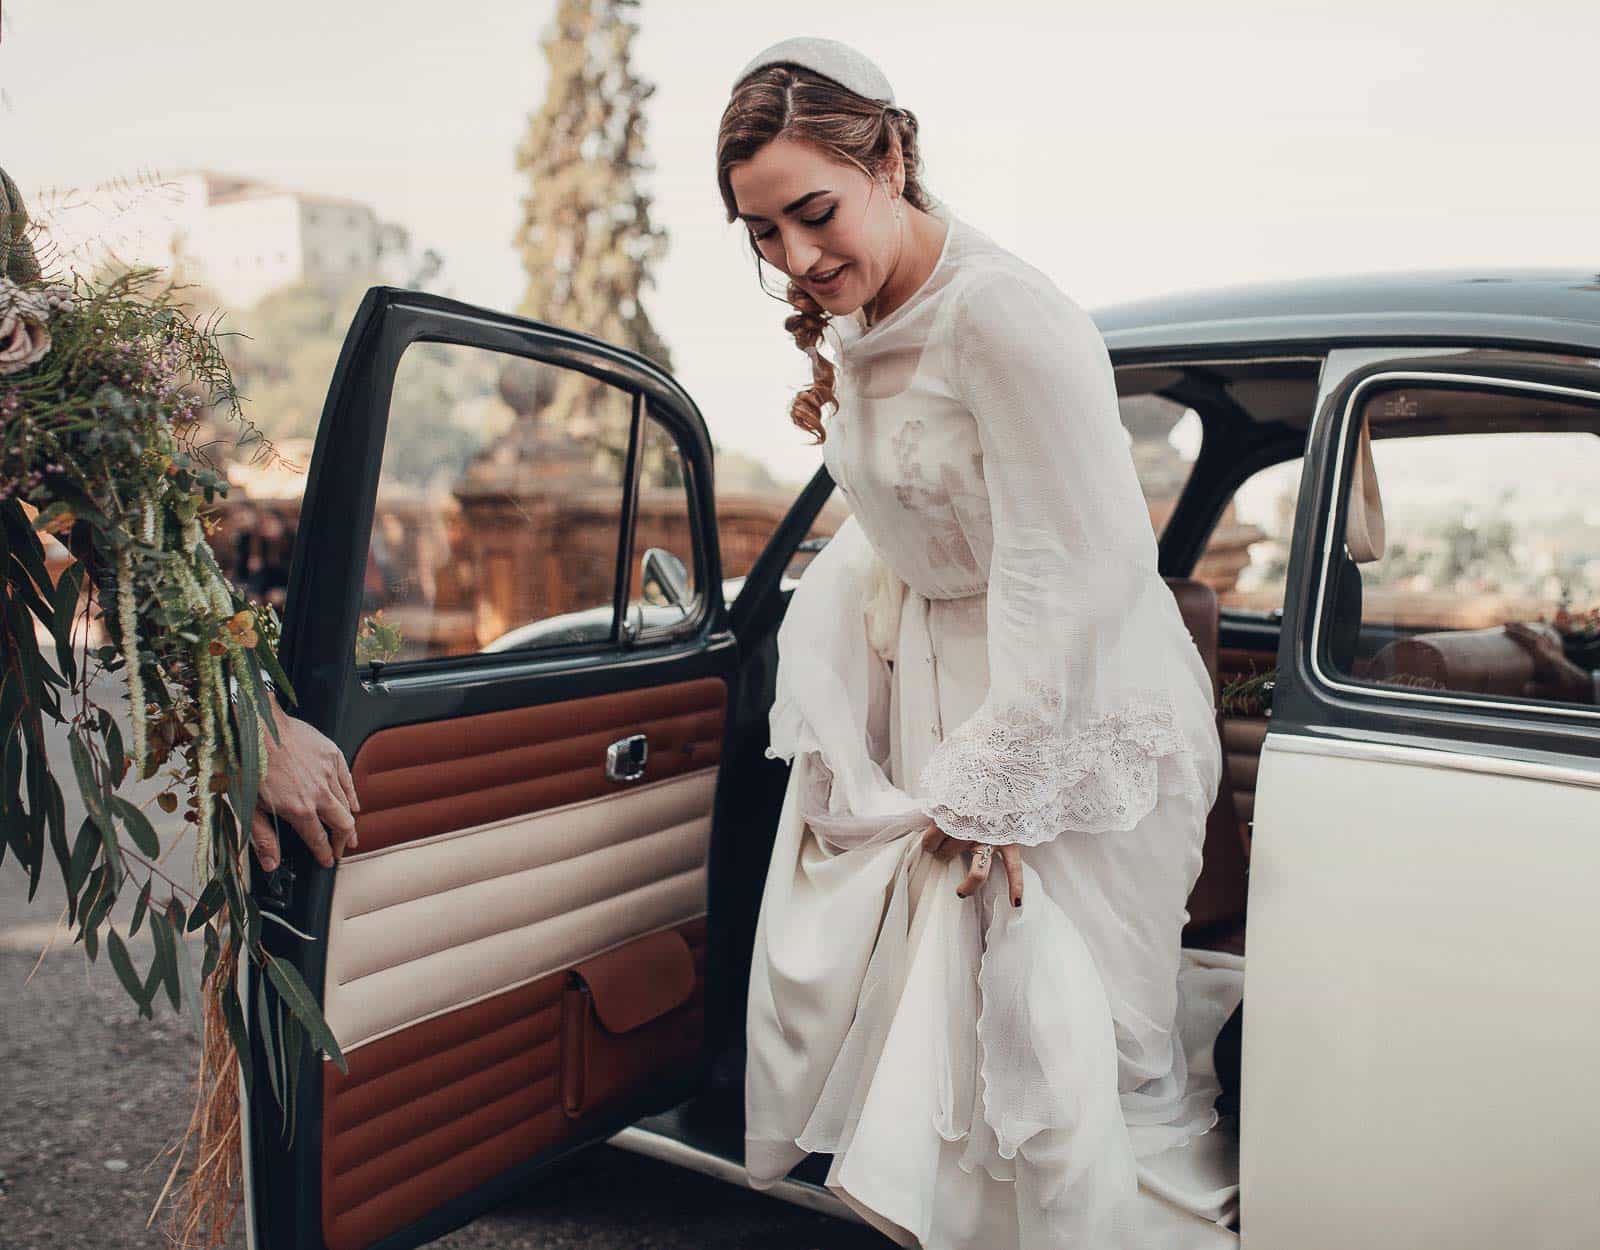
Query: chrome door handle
point(625, 758)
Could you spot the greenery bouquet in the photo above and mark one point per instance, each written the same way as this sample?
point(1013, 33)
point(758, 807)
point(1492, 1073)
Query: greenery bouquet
point(105, 391)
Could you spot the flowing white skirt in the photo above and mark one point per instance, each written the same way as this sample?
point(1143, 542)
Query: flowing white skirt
point(988, 1077)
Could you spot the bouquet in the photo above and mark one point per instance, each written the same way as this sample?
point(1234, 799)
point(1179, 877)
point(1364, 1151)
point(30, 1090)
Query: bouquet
point(105, 390)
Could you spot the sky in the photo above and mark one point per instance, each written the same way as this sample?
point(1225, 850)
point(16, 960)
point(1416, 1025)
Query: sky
point(1126, 149)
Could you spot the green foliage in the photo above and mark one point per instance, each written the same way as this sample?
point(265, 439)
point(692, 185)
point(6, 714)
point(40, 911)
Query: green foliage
point(101, 420)
point(1248, 694)
point(377, 640)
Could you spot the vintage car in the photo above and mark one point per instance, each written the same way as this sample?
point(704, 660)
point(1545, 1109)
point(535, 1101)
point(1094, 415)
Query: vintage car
point(543, 939)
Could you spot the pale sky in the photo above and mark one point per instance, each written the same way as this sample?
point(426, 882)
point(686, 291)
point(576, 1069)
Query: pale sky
point(1127, 149)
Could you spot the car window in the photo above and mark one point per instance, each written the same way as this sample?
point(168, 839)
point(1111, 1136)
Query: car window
point(1164, 437)
point(499, 507)
point(1477, 568)
point(1246, 558)
point(665, 589)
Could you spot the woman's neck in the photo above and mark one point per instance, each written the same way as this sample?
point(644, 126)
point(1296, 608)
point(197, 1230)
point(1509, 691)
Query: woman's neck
point(924, 240)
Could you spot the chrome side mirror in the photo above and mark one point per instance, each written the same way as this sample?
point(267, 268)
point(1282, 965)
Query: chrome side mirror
point(660, 567)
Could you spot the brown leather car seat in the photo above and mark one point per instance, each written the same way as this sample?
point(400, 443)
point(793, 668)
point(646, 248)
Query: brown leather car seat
point(1217, 902)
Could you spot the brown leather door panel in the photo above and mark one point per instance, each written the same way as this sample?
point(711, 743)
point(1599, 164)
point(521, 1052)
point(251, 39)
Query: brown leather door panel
point(1242, 736)
point(503, 882)
point(416, 781)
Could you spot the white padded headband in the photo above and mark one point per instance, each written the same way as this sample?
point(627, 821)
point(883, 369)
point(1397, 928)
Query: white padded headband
point(830, 58)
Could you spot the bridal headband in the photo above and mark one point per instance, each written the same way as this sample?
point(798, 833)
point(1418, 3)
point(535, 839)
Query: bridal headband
point(830, 58)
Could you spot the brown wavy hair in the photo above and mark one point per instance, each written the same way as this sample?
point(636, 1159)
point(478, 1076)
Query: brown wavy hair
point(794, 102)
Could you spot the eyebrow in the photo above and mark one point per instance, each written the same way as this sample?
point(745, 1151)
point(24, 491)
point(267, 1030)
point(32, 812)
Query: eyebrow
point(792, 207)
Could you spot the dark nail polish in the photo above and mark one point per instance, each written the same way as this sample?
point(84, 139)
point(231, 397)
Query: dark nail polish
point(1016, 902)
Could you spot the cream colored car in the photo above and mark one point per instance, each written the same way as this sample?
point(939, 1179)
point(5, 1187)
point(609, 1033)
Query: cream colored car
point(543, 939)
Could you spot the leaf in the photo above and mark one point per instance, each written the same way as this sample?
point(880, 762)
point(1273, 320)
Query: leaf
point(294, 1036)
point(116, 757)
point(190, 991)
point(138, 826)
point(152, 981)
point(36, 674)
point(167, 957)
point(248, 779)
point(123, 965)
point(88, 783)
point(304, 1005)
point(263, 696)
point(56, 820)
point(64, 606)
point(21, 588)
point(205, 907)
point(234, 1017)
point(269, 1040)
point(140, 906)
point(83, 848)
point(280, 679)
point(213, 954)
point(24, 543)
point(103, 898)
point(38, 778)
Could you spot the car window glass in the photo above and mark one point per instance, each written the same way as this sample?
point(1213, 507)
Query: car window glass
point(1246, 558)
point(499, 508)
point(1477, 570)
point(1164, 436)
point(665, 588)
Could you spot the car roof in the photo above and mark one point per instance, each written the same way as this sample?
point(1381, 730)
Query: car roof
point(1557, 307)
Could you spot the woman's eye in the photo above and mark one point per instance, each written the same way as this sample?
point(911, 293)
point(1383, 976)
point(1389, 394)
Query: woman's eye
point(808, 221)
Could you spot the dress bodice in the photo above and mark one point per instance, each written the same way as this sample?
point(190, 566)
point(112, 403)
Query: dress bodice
point(903, 448)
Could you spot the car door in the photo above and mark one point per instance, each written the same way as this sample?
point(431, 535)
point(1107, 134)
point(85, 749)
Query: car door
point(1419, 1034)
point(505, 607)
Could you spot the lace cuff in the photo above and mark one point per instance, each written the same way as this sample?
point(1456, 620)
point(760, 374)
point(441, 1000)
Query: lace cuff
point(1011, 776)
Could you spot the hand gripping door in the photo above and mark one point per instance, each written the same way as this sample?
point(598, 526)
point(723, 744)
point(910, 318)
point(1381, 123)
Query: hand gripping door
point(515, 958)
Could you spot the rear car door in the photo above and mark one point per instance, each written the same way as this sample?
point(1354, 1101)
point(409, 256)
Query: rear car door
point(1418, 1041)
point(505, 606)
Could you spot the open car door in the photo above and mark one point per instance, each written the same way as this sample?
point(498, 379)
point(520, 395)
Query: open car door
point(524, 654)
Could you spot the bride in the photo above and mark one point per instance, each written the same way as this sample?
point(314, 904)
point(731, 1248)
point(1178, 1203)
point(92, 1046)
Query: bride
point(968, 985)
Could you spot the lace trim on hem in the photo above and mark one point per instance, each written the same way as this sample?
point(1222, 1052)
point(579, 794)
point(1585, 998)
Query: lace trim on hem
point(1010, 777)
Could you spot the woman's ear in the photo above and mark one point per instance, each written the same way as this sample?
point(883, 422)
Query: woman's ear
point(892, 170)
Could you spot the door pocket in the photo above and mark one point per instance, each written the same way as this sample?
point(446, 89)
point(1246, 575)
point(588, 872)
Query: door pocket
point(627, 1016)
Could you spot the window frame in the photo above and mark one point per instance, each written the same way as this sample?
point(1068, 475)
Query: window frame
point(1401, 699)
point(618, 644)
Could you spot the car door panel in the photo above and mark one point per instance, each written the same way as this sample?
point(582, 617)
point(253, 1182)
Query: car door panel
point(1416, 1051)
point(515, 957)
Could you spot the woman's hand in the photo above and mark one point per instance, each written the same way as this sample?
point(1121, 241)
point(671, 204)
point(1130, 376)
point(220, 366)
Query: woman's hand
point(939, 843)
point(308, 785)
point(1554, 676)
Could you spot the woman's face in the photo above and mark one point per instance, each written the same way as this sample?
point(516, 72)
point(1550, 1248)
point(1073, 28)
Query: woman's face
point(821, 221)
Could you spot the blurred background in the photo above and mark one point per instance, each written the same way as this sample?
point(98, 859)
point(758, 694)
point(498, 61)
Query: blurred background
point(555, 159)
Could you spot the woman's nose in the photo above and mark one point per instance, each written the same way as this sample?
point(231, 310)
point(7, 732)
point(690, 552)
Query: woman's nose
point(800, 255)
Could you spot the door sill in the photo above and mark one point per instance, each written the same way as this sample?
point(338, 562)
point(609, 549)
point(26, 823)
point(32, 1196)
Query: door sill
point(670, 1149)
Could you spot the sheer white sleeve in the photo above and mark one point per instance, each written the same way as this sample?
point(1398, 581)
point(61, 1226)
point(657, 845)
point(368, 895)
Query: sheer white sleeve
point(1080, 728)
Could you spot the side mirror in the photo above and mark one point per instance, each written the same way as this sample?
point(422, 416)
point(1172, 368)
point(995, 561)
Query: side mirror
point(659, 567)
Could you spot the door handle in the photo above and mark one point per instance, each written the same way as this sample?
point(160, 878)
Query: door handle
point(625, 758)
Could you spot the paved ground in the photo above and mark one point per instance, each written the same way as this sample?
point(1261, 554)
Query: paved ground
point(90, 1095)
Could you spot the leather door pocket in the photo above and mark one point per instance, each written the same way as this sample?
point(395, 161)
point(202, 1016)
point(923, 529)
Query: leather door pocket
point(627, 1016)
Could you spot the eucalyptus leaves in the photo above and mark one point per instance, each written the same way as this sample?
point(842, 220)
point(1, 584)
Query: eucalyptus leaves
point(103, 389)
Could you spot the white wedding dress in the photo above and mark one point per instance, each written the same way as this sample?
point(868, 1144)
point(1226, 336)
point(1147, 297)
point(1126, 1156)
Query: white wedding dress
point(986, 642)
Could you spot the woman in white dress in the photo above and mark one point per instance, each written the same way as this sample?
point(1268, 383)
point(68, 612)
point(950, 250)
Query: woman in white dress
point(967, 983)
